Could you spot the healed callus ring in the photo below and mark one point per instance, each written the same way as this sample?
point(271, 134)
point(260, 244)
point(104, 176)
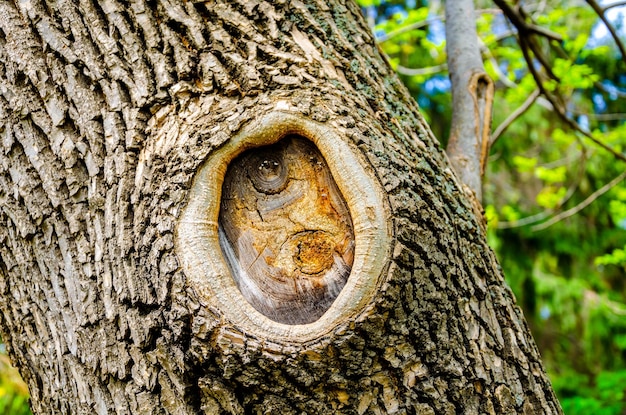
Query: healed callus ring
point(286, 231)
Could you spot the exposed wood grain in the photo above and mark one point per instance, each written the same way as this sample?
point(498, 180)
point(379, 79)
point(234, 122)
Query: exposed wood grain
point(288, 232)
point(199, 237)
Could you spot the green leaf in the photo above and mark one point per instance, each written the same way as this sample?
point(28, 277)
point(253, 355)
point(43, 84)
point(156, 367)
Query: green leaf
point(620, 341)
point(551, 176)
point(562, 138)
point(491, 216)
point(368, 3)
point(617, 257)
point(524, 164)
point(573, 75)
point(617, 209)
point(509, 213)
point(550, 197)
point(574, 46)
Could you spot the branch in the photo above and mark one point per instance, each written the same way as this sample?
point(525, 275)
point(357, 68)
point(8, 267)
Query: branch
point(525, 221)
point(546, 213)
point(421, 71)
point(616, 4)
point(602, 117)
point(615, 306)
point(573, 124)
point(424, 23)
point(486, 52)
point(515, 115)
point(539, 9)
point(559, 108)
point(444, 66)
point(603, 88)
point(600, 12)
point(516, 17)
point(527, 43)
point(580, 206)
point(565, 161)
point(408, 28)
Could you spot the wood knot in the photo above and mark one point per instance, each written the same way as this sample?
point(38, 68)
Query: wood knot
point(241, 241)
point(314, 251)
point(286, 231)
point(268, 172)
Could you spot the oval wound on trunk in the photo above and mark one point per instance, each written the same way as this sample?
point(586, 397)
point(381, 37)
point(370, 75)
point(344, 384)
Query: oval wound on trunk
point(286, 231)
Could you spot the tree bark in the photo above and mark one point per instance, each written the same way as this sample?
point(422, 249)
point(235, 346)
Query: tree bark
point(118, 125)
point(472, 99)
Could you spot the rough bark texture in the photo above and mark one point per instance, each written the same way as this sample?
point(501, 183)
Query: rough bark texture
point(107, 112)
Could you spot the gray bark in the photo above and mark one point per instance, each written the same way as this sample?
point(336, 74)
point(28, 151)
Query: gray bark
point(110, 119)
point(472, 98)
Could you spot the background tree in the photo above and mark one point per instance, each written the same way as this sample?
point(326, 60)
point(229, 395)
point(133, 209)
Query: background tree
point(118, 123)
point(554, 190)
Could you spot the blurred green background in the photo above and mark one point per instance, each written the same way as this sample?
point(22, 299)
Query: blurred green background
point(13, 391)
point(554, 195)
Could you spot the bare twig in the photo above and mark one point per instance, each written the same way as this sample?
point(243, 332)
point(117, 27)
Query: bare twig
point(409, 28)
point(427, 22)
point(565, 161)
point(444, 66)
point(617, 308)
point(590, 136)
point(615, 91)
point(527, 43)
point(570, 212)
point(501, 76)
point(524, 46)
point(528, 220)
point(600, 12)
point(616, 4)
point(486, 52)
point(421, 71)
point(539, 8)
point(546, 213)
point(522, 25)
point(582, 167)
point(515, 115)
point(559, 107)
point(602, 117)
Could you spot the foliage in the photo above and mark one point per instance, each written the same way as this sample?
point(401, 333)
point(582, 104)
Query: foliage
point(13, 391)
point(555, 191)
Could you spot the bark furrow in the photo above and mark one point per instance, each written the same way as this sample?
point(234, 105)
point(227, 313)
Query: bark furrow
point(106, 114)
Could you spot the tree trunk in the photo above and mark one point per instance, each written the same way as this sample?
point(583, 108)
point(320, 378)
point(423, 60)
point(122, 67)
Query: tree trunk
point(119, 125)
point(472, 98)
